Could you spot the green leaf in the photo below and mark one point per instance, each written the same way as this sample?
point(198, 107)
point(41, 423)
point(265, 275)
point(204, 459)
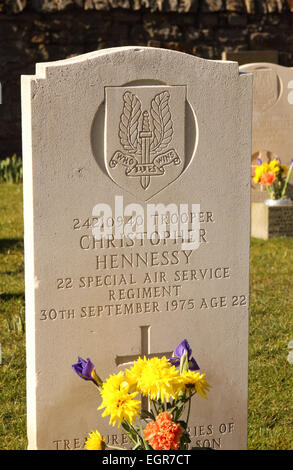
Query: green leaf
point(182, 424)
point(178, 413)
point(147, 414)
point(160, 406)
point(147, 446)
point(136, 446)
point(185, 437)
point(131, 434)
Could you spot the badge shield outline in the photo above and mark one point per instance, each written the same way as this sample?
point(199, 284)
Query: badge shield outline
point(145, 137)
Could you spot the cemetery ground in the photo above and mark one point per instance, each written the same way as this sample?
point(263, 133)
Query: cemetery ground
point(271, 308)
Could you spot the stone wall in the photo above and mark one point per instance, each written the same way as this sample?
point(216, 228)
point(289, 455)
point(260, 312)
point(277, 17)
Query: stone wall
point(43, 30)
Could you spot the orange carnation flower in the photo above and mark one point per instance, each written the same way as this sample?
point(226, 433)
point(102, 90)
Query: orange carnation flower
point(163, 434)
point(268, 178)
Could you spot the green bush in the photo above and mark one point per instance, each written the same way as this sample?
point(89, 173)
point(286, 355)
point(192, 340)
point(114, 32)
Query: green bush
point(11, 170)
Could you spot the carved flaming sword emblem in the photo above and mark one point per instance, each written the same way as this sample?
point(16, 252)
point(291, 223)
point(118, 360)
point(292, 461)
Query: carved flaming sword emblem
point(145, 138)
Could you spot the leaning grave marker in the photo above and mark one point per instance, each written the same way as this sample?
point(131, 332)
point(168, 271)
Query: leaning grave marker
point(272, 117)
point(110, 135)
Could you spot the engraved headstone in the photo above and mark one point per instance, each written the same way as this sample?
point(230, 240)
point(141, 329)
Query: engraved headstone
point(272, 134)
point(132, 240)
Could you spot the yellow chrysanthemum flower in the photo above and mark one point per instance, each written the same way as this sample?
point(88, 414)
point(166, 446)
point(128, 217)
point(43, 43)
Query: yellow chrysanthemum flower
point(95, 441)
point(258, 172)
point(118, 402)
point(155, 378)
point(195, 382)
point(134, 373)
point(274, 166)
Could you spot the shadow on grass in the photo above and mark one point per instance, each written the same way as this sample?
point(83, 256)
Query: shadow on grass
point(6, 297)
point(10, 243)
point(11, 273)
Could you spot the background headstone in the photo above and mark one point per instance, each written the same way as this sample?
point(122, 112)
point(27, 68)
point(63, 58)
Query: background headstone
point(179, 127)
point(268, 221)
point(272, 117)
point(248, 57)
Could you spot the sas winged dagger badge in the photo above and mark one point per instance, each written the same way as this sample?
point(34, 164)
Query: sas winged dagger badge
point(145, 137)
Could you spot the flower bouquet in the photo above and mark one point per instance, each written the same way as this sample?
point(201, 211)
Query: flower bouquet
point(168, 383)
point(274, 176)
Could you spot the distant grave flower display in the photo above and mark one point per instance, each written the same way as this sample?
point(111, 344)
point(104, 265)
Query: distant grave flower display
point(275, 177)
point(168, 383)
point(274, 216)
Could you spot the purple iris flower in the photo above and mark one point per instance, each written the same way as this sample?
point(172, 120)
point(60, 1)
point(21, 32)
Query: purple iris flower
point(86, 370)
point(178, 353)
point(259, 161)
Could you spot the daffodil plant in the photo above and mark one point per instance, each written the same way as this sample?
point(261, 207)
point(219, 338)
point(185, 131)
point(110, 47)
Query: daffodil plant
point(274, 176)
point(168, 383)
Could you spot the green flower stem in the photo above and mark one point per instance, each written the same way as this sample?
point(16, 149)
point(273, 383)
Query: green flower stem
point(287, 181)
point(145, 445)
point(271, 192)
point(188, 410)
point(154, 404)
point(138, 435)
point(128, 428)
point(115, 447)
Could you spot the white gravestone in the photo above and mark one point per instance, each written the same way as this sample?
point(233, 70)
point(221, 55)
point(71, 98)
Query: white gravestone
point(110, 139)
point(272, 134)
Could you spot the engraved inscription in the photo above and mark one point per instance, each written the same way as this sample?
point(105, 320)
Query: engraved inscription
point(143, 307)
point(147, 277)
point(208, 435)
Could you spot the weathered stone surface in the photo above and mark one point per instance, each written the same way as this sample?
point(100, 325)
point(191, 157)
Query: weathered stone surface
point(14, 6)
point(51, 5)
point(186, 6)
point(235, 19)
point(120, 4)
point(208, 20)
point(212, 5)
point(261, 7)
point(250, 6)
point(97, 5)
point(275, 6)
point(180, 6)
point(264, 40)
point(234, 37)
point(152, 5)
point(193, 34)
point(235, 5)
point(161, 30)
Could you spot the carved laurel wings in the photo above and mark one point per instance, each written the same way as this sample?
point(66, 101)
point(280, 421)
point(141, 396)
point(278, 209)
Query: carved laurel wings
point(129, 119)
point(162, 122)
point(161, 125)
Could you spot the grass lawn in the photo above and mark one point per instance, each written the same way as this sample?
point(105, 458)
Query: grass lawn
point(271, 309)
point(12, 369)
